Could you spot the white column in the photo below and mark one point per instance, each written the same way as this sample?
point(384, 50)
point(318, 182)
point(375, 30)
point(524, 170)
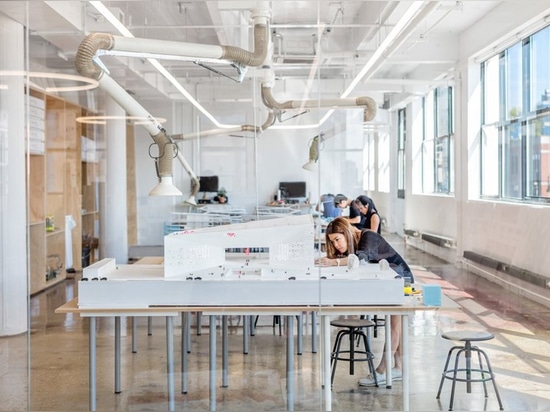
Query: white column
point(114, 216)
point(14, 262)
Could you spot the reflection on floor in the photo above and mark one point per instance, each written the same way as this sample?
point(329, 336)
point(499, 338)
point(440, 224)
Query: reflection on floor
point(58, 376)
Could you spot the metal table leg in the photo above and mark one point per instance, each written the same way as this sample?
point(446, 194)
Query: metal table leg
point(405, 354)
point(388, 352)
point(92, 364)
point(134, 334)
point(212, 361)
point(290, 362)
point(184, 350)
point(313, 332)
point(246, 333)
point(300, 343)
point(117, 355)
point(225, 353)
point(170, 361)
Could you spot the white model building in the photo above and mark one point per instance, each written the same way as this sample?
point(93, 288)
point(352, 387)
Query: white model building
point(260, 263)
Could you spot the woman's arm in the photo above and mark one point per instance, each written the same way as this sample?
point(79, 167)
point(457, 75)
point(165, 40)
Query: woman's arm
point(375, 222)
point(325, 261)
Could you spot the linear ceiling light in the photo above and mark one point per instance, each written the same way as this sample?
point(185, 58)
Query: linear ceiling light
point(111, 18)
point(87, 83)
point(380, 50)
point(138, 120)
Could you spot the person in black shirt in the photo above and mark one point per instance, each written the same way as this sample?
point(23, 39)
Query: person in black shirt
point(343, 240)
point(371, 217)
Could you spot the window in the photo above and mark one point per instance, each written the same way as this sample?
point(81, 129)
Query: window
point(444, 140)
point(401, 139)
point(515, 139)
point(437, 145)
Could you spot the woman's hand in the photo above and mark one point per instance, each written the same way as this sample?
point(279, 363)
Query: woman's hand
point(325, 261)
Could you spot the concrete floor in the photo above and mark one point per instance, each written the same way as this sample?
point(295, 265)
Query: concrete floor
point(54, 375)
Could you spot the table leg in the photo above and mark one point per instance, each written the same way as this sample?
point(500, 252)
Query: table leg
point(199, 323)
point(300, 332)
point(405, 354)
point(388, 352)
point(313, 332)
point(92, 366)
point(149, 325)
point(188, 331)
point(117, 355)
point(325, 347)
point(134, 334)
point(212, 341)
point(184, 350)
point(246, 333)
point(225, 353)
point(170, 361)
point(290, 362)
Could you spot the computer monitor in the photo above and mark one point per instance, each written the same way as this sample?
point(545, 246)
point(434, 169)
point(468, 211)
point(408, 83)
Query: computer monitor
point(208, 184)
point(293, 190)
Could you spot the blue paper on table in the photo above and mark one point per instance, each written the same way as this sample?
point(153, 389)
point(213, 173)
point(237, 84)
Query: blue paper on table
point(431, 295)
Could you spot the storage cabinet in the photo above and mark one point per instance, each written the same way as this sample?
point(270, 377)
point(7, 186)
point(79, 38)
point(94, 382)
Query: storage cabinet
point(60, 185)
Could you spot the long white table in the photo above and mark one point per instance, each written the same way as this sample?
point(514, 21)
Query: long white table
point(411, 305)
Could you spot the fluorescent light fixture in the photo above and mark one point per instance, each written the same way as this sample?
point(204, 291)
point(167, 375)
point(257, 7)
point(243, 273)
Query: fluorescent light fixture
point(381, 49)
point(165, 187)
point(88, 84)
point(100, 7)
point(111, 18)
point(103, 119)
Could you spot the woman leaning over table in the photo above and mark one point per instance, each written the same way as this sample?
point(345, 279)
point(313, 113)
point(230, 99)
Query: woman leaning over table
point(342, 240)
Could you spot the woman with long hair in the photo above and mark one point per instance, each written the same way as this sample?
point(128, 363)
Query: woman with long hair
point(367, 208)
point(343, 240)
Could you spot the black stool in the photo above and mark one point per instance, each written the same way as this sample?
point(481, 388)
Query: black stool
point(468, 336)
point(354, 329)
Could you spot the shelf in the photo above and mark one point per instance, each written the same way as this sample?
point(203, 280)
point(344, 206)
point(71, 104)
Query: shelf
point(55, 232)
point(90, 213)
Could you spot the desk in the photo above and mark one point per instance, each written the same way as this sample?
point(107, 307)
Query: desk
point(411, 305)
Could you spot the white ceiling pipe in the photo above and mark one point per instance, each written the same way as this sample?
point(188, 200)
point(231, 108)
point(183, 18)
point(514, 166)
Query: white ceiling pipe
point(368, 103)
point(103, 41)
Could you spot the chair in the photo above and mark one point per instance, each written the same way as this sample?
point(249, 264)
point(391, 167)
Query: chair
point(353, 328)
point(459, 374)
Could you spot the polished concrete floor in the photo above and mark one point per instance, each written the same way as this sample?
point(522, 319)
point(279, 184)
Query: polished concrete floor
point(53, 375)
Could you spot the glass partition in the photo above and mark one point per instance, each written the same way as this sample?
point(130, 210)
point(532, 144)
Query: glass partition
point(87, 150)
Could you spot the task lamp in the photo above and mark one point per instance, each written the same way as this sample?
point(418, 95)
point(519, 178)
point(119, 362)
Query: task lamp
point(311, 165)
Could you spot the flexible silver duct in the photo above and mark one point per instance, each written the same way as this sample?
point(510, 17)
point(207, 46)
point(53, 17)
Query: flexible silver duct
point(368, 103)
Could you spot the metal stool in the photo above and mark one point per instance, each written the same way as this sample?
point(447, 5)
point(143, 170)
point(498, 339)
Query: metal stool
point(354, 329)
point(468, 336)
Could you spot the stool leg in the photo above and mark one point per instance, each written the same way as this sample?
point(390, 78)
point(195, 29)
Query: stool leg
point(454, 379)
point(335, 353)
point(352, 351)
point(493, 379)
point(475, 348)
point(444, 374)
point(370, 357)
point(468, 356)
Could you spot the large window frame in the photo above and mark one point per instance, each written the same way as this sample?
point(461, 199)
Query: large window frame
point(438, 142)
point(515, 140)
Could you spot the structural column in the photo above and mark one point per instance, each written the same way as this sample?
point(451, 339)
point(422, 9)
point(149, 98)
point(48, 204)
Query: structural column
point(114, 220)
point(14, 262)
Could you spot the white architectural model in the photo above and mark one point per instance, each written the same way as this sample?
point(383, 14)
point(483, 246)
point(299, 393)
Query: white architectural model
point(260, 263)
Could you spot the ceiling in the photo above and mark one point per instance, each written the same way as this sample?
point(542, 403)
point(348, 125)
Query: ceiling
point(317, 47)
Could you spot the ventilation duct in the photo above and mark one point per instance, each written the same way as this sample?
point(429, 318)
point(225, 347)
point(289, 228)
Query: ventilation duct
point(368, 103)
point(88, 65)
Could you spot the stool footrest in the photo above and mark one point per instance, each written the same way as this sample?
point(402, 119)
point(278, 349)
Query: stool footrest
point(449, 374)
